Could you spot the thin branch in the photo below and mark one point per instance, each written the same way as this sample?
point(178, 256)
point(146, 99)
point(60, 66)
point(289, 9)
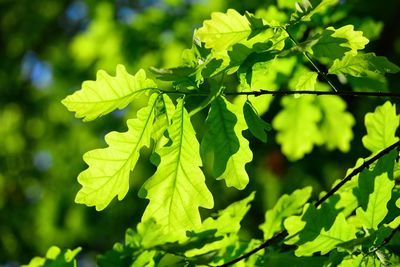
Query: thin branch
point(284, 233)
point(323, 74)
point(357, 171)
point(318, 93)
point(286, 92)
point(270, 241)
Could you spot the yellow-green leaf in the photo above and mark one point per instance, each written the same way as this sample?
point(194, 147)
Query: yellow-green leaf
point(109, 168)
point(177, 189)
point(381, 127)
point(297, 127)
point(107, 93)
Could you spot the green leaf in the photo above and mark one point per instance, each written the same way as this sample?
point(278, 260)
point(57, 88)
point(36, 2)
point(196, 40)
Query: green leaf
point(224, 30)
point(362, 65)
point(334, 43)
point(286, 206)
point(336, 123)
point(177, 188)
point(109, 168)
point(318, 230)
point(305, 12)
point(297, 127)
point(377, 203)
point(107, 93)
point(279, 259)
point(55, 257)
point(224, 138)
point(256, 125)
point(307, 81)
point(264, 72)
point(381, 127)
point(226, 222)
point(396, 222)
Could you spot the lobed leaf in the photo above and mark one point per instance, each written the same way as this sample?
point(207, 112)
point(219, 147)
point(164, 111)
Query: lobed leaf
point(286, 206)
point(381, 127)
point(360, 65)
point(177, 189)
point(224, 138)
point(377, 202)
point(318, 230)
point(107, 93)
point(335, 43)
point(336, 123)
point(305, 11)
point(108, 173)
point(296, 126)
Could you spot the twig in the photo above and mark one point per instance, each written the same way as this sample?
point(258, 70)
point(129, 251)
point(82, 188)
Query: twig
point(286, 92)
point(284, 233)
point(357, 171)
point(323, 74)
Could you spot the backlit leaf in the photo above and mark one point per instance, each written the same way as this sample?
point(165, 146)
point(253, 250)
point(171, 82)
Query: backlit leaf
point(318, 230)
point(107, 93)
point(377, 203)
point(334, 43)
point(297, 127)
point(307, 81)
point(108, 173)
point(381, 127)
point(177, 189)
point(224, 30)
point(362, 65)
point(224, 138)
point(305, 12)
point(286, 206)
point(336, 123)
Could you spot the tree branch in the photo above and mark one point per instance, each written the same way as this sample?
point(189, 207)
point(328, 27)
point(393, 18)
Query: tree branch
point(287, 92)
point(357, 171)
point(282, 234)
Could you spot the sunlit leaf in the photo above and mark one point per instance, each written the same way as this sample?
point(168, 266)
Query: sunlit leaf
point(334, 43)
point(286, 206)
point(318, 230)
point(381, 127)
point(226, 222)
point(336, 123)
point(297, 127)
point(55, 257)
point(362, 65)
point(377, 202)
point(307, 81)
point(108, 173)
point(305, 12)
point(107, 93)
point(224, 30)
point(225, 139)
point(177, 189)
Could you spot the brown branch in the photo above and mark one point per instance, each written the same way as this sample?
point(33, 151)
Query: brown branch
point(284, 233)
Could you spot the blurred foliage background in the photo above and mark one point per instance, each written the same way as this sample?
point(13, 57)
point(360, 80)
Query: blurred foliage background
point(47, 48)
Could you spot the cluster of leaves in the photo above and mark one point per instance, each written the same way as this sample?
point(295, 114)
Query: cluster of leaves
point(354, 226)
